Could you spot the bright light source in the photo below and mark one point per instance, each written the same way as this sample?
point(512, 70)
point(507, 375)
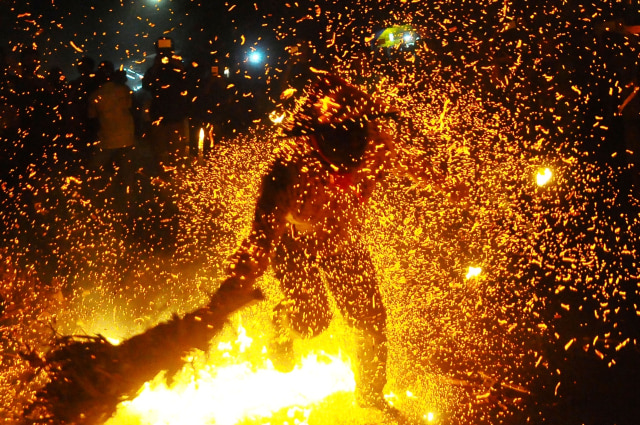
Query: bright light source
point(255, 57)
point(473, 272)
point(276, 117)
point(201, 141)
point(114, 341)
point(429, 417)
point(543, 177)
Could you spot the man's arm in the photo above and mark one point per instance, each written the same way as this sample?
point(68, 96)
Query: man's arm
point(253, 256)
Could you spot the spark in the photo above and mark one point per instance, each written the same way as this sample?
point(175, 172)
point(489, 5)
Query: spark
point(76, 48)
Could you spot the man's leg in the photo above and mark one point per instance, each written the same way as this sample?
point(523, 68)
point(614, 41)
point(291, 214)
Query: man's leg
point(351, 277)
point(305, 310)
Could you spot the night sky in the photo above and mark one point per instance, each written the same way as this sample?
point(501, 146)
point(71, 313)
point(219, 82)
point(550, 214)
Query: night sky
point(124, 31)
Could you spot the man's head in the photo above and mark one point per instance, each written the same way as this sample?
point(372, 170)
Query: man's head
point(86, 65)
point(29, 61)
point(105, 71)
point(342, 146)
point(335, 116)
point(329, 100)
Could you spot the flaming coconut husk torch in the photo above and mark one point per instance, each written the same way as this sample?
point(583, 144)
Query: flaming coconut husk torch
point(89, 376)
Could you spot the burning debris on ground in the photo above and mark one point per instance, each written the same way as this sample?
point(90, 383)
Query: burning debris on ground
point(511, 300)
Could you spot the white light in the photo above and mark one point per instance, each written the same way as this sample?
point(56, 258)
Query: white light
point(543, 177)
point(276, 117)
point(473, 272)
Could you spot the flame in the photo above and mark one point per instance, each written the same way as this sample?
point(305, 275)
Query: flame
point(232, 393)
point(201, 140)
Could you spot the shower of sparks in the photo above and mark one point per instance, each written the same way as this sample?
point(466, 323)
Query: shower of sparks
point(496, 90)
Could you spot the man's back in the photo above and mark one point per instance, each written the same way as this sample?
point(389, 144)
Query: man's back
point(167, 83)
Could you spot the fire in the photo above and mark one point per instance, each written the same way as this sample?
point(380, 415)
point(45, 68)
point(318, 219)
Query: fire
point(543, 177)
point(201, 141)
point(238, 392)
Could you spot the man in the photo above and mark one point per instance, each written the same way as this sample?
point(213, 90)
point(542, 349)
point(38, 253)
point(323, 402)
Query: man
point(166, 81)
point(308, 226)
point(110, 105)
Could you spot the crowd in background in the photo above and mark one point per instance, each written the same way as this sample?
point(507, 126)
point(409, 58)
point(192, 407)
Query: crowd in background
point(53, 122)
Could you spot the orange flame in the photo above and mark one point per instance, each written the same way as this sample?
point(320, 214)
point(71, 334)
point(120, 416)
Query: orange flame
point(226, 395)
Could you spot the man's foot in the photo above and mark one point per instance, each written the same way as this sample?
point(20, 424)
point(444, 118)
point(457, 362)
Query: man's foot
point(282, 355)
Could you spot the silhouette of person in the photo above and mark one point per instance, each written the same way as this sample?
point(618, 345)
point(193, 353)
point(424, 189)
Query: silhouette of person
point(167, 82)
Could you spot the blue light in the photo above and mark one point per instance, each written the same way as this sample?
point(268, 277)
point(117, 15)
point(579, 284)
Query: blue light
point(255, 57)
